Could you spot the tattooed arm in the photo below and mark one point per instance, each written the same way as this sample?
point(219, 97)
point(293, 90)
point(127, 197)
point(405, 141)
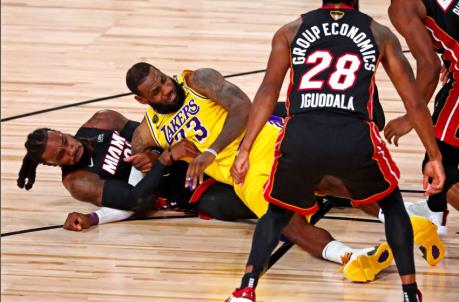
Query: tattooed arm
point(211, 84)
point(142, 142)
point(142, 139)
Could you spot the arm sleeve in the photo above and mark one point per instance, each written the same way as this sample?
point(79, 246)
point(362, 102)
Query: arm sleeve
point(107, 215)
point(120, 195)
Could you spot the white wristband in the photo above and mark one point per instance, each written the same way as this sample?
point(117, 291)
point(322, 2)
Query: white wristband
point(107, 215)
point(210, 150)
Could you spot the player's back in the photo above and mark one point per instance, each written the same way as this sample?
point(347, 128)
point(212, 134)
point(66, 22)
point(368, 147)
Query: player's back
point(333, 60)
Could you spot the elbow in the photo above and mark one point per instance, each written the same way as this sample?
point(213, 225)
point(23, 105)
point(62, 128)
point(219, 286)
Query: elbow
point(72, 187)
point(430, 67)
point(103, 114)
point(242, 109)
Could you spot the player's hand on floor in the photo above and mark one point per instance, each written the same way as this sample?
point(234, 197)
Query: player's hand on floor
point(434, 171)
point(142, 161)
point(195, 172)
point(77, 222)
point(240, 167)
point(397, 128)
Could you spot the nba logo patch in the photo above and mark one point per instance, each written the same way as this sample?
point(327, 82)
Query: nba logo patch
point(100, 138)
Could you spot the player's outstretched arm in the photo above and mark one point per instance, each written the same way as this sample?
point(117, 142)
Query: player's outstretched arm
point(120, 195)
point(78, 221)
point(266, 97)
point(401, 75)
point(407, 16)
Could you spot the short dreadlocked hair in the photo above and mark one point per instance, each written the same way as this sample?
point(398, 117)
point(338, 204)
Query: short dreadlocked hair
point(35, 145)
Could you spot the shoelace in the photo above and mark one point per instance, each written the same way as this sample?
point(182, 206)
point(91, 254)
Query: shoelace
point(345, 259)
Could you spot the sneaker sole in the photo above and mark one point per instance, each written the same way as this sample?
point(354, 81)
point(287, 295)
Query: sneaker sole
point(364, 268)
point(426, 236)
point(233, 299)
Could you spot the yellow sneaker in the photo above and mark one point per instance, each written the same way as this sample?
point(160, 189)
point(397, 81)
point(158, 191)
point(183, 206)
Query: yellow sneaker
point(365, 267)
point(426, 236)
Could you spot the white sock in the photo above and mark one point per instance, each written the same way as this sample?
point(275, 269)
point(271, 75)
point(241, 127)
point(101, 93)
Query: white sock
point(381, 216)
point(334, 250)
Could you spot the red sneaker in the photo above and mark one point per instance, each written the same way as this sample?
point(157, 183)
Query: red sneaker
point(246, 294)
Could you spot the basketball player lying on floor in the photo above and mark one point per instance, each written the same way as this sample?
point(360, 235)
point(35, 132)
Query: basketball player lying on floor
point(208, 110)
point(96, 165)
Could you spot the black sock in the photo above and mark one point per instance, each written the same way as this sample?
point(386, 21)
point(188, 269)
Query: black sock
point(249, 280)
point(410, 292)
point(437, 203)
point(399, 232)
point(265, 238)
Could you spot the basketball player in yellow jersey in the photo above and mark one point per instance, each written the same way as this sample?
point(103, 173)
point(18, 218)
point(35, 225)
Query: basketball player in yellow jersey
point(215, 124)
point(208, 110)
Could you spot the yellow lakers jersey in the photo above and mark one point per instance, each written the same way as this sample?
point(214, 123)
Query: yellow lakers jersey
point(201, 121)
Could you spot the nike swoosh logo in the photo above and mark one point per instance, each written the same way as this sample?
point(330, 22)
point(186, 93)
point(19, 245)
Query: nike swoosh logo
point(92, 163)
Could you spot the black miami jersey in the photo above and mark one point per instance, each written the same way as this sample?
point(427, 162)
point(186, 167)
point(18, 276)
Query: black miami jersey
point(109, 149)
point(442, 22)
point(334, 57)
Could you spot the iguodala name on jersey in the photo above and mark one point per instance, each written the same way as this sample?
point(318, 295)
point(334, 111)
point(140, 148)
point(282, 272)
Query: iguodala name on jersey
point(333, 64)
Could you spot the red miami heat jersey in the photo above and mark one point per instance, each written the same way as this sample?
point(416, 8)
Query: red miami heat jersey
point(442, 22)
point(334, 57)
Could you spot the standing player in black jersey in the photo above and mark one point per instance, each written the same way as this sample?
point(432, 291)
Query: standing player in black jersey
point(429, 26)
point(333, 53)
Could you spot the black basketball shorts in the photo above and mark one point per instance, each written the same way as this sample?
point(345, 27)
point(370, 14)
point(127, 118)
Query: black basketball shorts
point(319, 143)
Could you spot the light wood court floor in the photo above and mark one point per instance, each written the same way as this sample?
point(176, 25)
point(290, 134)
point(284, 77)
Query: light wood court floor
point(61, 52)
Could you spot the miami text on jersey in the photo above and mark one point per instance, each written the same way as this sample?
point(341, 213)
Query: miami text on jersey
point(118, 146)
